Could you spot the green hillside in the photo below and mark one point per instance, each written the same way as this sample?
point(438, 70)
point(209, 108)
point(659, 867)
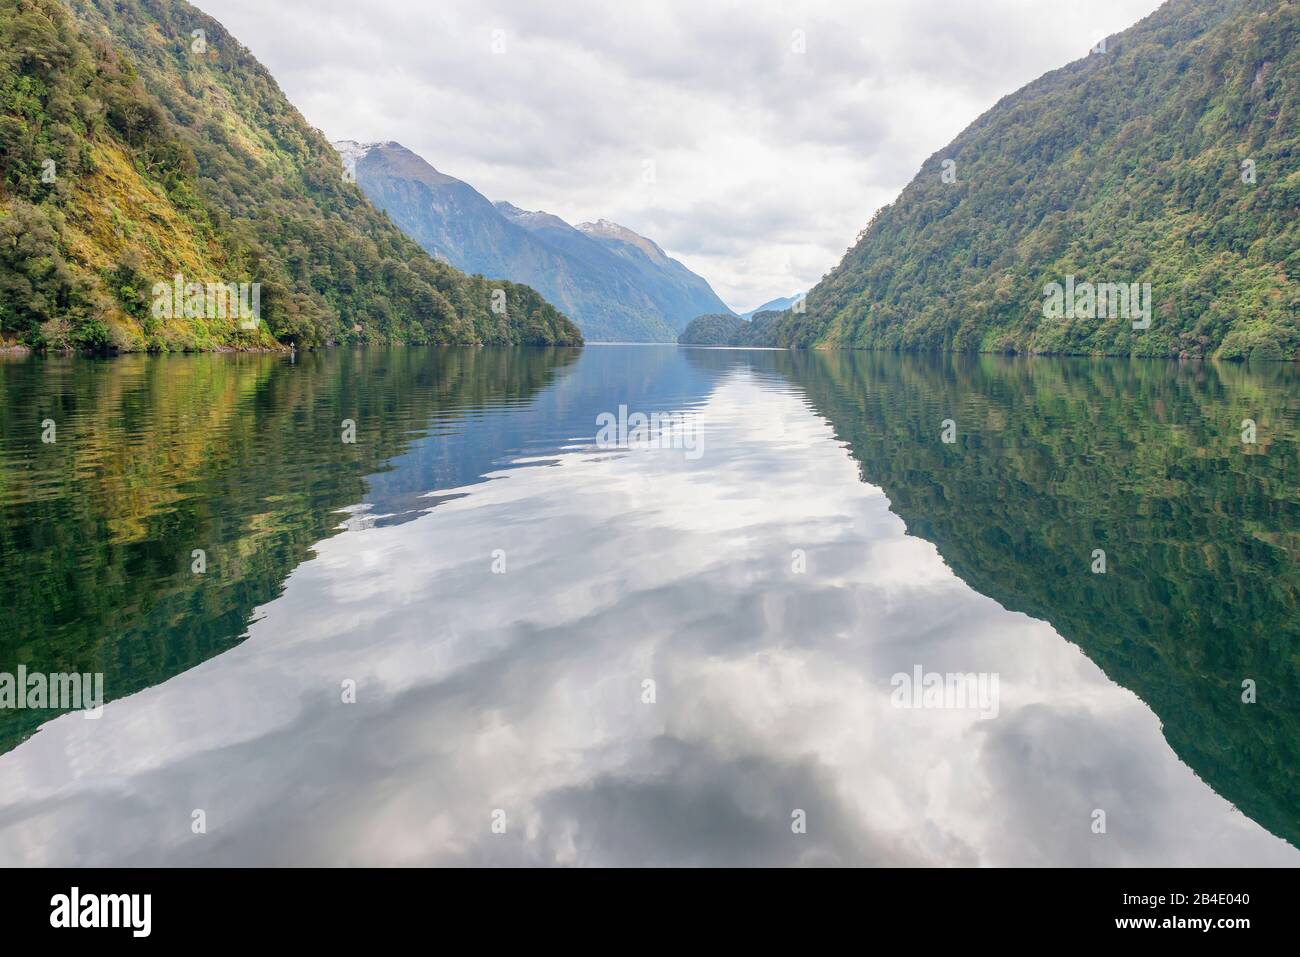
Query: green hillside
point(1132, 165)
point(713, 330)
point(134, 148)
point(721, 329)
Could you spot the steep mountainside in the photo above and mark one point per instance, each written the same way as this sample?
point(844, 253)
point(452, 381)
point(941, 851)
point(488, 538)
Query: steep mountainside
point(141, 141)
point(680, 293)
point(451, 220)
point(615, 284)
point(1170, 158)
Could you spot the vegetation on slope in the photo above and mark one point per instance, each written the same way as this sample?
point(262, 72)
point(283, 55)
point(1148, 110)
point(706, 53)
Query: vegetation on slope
point(1131, 165)
point(714, 330)
point(724, 329)
point(139, 140)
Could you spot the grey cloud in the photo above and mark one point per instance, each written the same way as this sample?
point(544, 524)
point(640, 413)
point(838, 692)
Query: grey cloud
point(586, 91)
point(678, 804)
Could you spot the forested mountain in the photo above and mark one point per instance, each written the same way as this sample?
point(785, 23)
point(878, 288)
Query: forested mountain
point(615, 284)
point(718, 329)
point(724, 329)
point(139, 141)
point(1171, 157)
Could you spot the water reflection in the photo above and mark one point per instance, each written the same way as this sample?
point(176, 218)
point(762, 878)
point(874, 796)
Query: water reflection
point(1145, 461)
point(523, 691)
point(239, 456)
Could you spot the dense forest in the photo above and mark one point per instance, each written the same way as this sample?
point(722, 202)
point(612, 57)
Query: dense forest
point(725, 329)
point(139, 140)
point(1170, 157)
point(713, 330)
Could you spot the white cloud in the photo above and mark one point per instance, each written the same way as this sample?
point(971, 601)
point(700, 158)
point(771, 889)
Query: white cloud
point(768, 161)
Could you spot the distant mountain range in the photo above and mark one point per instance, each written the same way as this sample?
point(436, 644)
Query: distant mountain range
point(772, 305)
point(614, 283)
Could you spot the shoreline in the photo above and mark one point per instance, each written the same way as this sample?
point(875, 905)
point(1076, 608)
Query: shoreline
point(17, 350)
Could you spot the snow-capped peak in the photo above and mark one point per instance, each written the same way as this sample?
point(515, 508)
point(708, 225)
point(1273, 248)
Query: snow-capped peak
point(530, 219)
point(605, 230)
point(354, 152)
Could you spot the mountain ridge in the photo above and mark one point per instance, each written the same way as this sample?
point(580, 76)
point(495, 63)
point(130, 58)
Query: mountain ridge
point(615, 283)
point(780, 304)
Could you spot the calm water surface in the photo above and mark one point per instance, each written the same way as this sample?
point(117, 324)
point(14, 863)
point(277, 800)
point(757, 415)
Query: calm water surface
point(500, 589)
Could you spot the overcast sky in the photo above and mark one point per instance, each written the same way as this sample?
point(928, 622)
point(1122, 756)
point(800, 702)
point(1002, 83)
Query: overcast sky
point(752, 141)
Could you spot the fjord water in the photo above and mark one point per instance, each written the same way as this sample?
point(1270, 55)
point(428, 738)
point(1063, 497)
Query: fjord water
point(499, 589)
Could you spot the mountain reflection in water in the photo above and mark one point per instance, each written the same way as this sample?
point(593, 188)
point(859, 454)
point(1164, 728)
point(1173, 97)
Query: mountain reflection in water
point(524, 691)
